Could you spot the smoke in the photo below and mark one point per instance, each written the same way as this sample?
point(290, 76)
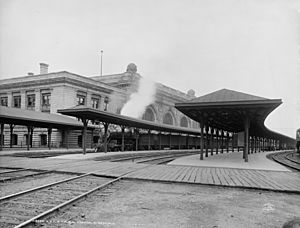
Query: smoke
point(137, 103)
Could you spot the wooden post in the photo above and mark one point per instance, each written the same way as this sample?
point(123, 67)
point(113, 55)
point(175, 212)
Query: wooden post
point(246, 146)
point(123, 138)
point(11, 126)
point(2, 137)
point(206, 141)
point(159, 140)
point(232, 142)
point(217, 140)
point(187, 142)
point(28, 137)
point(136, 139)
point(49, 138)
point(227, 141)
point(222, 141)
point(211, 141)
point(149, 139)
point(201, 139)
point(105, 136)
point(92, 138)
point(85, 122)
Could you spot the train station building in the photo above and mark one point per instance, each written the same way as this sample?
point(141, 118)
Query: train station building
point(48, 92)
point(222, 120)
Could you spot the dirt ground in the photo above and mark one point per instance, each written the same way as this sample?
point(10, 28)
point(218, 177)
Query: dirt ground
point(150, 204)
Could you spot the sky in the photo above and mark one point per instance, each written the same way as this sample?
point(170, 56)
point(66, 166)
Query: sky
point(249, 46)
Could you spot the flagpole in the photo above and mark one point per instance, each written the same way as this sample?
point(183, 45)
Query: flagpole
point(101, 62)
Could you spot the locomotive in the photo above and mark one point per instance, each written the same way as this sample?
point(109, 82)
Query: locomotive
point(298, 140)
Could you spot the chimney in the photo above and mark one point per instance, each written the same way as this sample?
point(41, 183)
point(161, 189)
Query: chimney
point(30, 74)
point(43, 68)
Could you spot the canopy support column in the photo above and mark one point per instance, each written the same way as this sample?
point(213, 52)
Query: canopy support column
point(149, 139)
point(217, 141)
point(136, 139)
point(123, 136)
point(2, 137)
point(227, 142)
point(106, 125)
point(49, 138)
point(28, 136)
point(246, 146)
point(211, 141)
point(201, 139)
point(206, 141)
point(222, 141)
point(11, 127)
point(159, 135)
point(84, 139)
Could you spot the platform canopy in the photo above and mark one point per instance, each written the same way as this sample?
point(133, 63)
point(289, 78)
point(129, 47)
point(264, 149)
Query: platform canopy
point(228, 110)
point(24, 117)
point(87, 113)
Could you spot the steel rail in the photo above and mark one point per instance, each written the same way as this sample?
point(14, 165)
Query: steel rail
point(12, 171)
point(161, 157)
point(41, 187)
point(24, 176)
point(281, 159)
point(149, 155)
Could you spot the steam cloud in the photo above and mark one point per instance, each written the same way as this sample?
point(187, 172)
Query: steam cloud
point(137, 103)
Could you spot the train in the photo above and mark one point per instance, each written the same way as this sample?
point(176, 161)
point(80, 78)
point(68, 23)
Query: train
point(298, 140)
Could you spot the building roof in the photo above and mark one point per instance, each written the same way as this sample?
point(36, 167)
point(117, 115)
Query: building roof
point(226, 95)
point(103, 116)
point(227, 110)
point(37, 119)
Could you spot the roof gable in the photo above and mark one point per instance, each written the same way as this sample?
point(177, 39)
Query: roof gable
point(226, 95)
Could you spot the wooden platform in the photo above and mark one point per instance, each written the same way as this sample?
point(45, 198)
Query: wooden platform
point(229, 177)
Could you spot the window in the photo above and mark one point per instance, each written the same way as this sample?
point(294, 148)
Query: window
point(17, 101)
point(46, 102)
point(168, 119)
point(183, 122)
point(43, 138)
point(148, 115)
point(14, 139)
point(3, 101)
point(95, 103)
point(106, 101)
point(31, 101)
point(80, 99)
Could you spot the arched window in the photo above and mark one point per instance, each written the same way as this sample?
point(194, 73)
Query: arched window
point(168, 119)
point(149, 115)
point(183, 122)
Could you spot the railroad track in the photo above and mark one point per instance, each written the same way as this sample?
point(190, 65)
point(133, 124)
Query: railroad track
point(24, 208)
point(20, 173)
point(289, 158)
point(138, 158)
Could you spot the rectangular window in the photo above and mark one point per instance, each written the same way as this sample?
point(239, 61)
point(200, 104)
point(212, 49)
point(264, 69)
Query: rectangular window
point(3, 101)
point(31, 101)
point(17, 101)
point(80, 99)
point(95, 103)
point(46, 97)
